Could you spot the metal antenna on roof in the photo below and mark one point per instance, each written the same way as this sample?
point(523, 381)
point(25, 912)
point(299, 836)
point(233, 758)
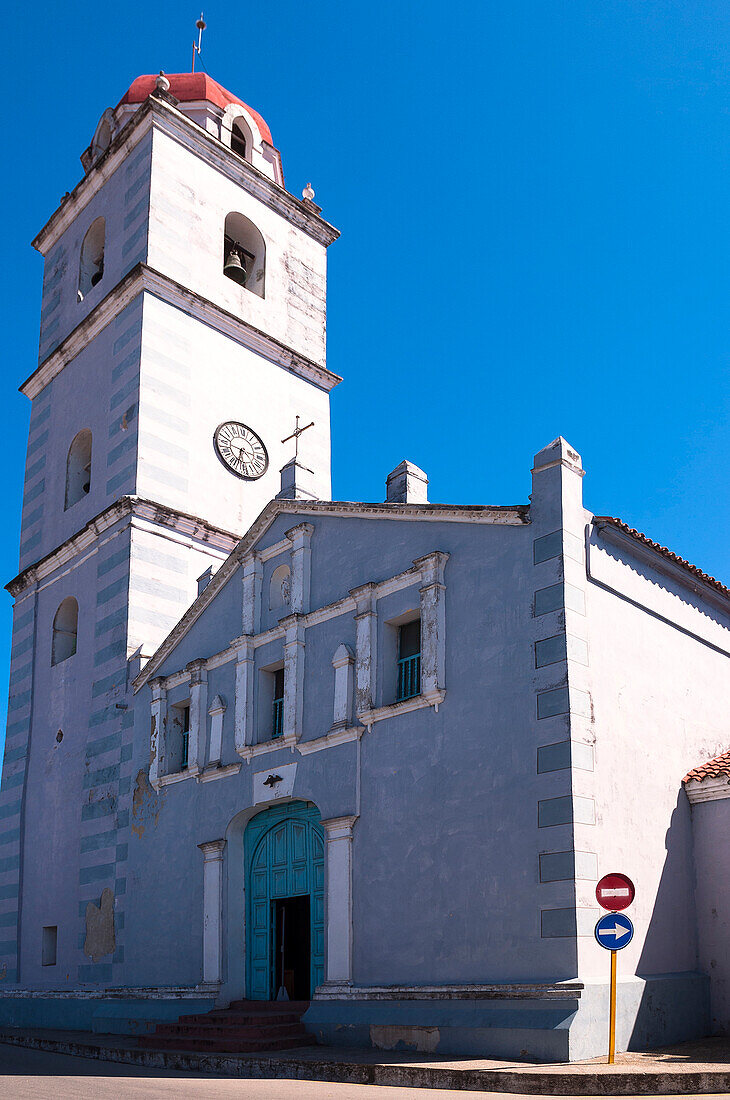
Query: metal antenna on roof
point(201, 25)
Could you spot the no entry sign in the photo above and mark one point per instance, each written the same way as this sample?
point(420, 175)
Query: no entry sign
point(615, 892)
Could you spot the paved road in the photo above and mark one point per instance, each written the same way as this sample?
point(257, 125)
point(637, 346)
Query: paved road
point(40, 1075)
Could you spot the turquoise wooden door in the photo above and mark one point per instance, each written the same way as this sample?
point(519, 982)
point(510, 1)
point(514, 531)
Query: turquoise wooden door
point(284, 853)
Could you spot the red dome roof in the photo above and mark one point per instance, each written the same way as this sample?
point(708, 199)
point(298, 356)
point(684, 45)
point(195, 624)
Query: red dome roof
point(190, 87)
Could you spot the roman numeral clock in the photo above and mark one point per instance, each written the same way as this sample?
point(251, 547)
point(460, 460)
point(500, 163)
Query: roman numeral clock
point(240, 450)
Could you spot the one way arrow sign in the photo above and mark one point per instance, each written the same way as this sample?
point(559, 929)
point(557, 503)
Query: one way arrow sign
point(614, 931)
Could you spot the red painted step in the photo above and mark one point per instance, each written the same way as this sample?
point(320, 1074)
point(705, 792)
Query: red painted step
point(246, 1027)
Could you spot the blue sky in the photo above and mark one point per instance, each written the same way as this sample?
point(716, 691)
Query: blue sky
point(533, 200)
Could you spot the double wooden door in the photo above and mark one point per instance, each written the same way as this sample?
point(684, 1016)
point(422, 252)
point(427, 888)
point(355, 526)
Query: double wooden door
point(284, 852)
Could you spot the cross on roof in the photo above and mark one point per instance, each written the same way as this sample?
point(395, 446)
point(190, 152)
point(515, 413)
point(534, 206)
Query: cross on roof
point(295, 436)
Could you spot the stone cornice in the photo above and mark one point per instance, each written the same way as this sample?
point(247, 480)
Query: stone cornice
point(75, 201)
point(144, 278)
point(154, 113)
point(514, 516)
point(134, 508)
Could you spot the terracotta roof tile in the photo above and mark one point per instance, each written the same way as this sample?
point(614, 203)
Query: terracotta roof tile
point(189, 87)
point(669, 554)
point(712, 769)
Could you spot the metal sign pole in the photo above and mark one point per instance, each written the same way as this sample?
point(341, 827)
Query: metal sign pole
point(614, 931)
point(612, 1013)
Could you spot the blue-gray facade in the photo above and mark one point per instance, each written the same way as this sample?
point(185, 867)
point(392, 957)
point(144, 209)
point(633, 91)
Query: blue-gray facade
point(213, 761)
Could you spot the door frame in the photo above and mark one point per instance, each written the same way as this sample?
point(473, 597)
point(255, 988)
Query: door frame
point(259, 831)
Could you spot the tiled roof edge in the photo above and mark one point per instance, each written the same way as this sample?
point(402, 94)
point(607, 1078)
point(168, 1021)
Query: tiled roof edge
point(711, 769)
point(665, 552)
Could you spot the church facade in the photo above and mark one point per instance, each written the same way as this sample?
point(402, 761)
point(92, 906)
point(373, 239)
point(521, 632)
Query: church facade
point(374, 756)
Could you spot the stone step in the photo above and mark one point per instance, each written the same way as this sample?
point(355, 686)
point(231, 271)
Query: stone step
point(263, 1019)
point(213, 1030)
point(224, 1046)
point(298, 1007)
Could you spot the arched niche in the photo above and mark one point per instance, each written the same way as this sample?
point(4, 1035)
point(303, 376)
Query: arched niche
point(343, 664)
point(91, 258)
point(65, 630)
point(280, 588)
point(242, 239)
point(78, 468)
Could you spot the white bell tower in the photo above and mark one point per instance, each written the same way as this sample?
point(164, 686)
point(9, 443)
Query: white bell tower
point(182, 218)
point(182, 333)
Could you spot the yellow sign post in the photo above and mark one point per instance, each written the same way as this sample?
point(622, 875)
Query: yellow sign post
point(614, 931)
point(612, 1013)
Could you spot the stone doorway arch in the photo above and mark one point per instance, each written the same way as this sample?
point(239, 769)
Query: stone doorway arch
point(284, 876)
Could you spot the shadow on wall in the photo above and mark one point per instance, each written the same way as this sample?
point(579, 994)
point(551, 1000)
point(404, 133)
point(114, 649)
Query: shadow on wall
point(675, 1002)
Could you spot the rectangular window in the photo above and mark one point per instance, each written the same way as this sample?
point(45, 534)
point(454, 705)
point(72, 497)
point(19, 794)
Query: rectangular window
point(184, 735)
point(409, 660)
point(277, 705)
point(48, 947)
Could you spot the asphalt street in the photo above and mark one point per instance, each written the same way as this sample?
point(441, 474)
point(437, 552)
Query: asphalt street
point(39, 1075)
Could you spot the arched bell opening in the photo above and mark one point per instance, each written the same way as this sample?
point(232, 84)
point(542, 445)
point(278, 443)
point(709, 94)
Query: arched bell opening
point(244, 254)
point(241, 139)
point(78, 468)
point(91, 259)
point(65, 631)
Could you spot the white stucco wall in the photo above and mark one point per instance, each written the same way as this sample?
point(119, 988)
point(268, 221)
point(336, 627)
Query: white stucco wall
point(710, 831)
point(193, 378)
point(189, 202)
point(658, 705)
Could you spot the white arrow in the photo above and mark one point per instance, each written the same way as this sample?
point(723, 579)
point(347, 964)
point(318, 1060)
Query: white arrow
point(617, 931)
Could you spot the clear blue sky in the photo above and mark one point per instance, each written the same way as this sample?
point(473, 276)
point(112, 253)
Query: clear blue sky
point(533, 198)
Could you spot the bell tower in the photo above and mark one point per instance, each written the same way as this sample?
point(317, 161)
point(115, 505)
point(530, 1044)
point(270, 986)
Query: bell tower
point(182, 332)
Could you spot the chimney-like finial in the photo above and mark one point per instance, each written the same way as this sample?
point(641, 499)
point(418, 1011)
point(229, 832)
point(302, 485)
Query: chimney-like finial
point(406, 484)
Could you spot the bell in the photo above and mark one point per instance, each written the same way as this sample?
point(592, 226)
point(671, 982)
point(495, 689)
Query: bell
point(234, 269)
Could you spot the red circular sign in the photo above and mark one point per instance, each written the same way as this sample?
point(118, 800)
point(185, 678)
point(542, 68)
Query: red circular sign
point(615, 892)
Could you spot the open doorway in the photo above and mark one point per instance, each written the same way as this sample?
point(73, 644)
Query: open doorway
point(292, 948)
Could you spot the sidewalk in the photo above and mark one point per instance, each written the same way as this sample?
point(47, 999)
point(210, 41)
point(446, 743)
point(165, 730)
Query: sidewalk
point(698, 1067)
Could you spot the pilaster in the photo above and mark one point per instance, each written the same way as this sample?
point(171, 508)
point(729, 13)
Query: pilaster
point(198, 713)
point(338, 834)
point(243, 721)
point(252, 581)
point(433, 625)
point(294, 641)
point(366, 633)
point(565, 818)
point(158, 726)
point(301, 566)
point(212, 910)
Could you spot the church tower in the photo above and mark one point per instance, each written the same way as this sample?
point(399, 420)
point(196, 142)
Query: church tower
point(182, 332)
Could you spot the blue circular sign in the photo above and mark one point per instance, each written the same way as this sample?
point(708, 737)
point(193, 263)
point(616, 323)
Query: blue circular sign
point(614, 931)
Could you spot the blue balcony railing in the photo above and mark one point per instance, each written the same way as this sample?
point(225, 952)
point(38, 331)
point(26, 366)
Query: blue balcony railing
point(409, 677)
point(277, 718)
point(184, 753)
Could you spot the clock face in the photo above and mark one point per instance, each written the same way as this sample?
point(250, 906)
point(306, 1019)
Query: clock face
point(241, 450)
